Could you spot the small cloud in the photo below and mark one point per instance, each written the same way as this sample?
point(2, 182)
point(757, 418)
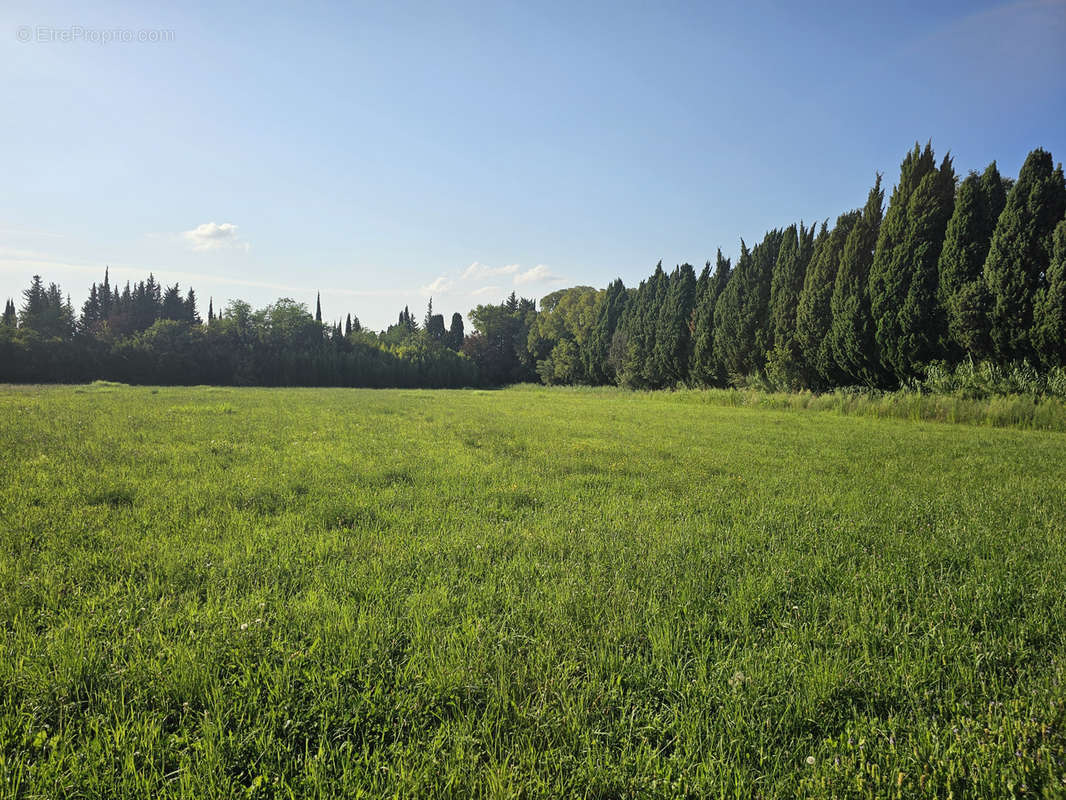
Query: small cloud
point(486, 290)
point(538, 274)
point(441, 284)
point(479, 270)
point(212, 236)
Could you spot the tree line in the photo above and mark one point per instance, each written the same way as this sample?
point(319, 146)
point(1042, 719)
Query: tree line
point(948, 271)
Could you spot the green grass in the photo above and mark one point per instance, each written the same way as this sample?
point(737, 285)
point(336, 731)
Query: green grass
point(528, 593)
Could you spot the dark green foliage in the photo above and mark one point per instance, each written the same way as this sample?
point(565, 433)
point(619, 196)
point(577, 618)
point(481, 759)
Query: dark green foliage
point(498, 345)
point(703, 367)
point(741, 319)
point(1020, 254)
point(455, 332)
point(903, 278)
point(962, 292)
point(638, 327)
point(673, 334)
point(920, 317)
point(785, 364)
point(852, 333)
point(595, 353)
point(877, 300)
point(1050, 323)
point(814, 316)
point(318, 307)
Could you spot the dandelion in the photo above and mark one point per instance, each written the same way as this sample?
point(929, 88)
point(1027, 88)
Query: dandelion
point(738, 679)
point(810, 761)
point(244, 626)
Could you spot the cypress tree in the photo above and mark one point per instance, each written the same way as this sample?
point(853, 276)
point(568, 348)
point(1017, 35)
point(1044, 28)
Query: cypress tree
point(673, 336)
point(728, 350)
point(891, 270)
point(785, 362)
point(920, 317)
point(851, 336)
point(10, 319)
point(1050, 322)
point(703, 369)
point(814, 315)
point(348, 326)
point(962, 292)
point(455, 332)
point(210, 310)
point(1020, 254)
point(318, 307)
point(638, 326)
point(597, 346)
point(755, 330)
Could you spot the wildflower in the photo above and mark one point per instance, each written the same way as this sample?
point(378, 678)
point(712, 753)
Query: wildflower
point(810, 761)
point(244, 626)
point(258, 620)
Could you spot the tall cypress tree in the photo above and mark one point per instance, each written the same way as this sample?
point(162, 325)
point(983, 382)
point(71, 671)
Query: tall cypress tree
point(890, 271)
point(814, 315)
point(728, 350)
point(962, 291)
point(756, 330)
point(785, 363)
point(638, 326)
point(703, 366)
point(1050, 322)
point(673, 336)
point(1020, 254)
point(455, 332)
point(10, 318)
point(920, 316)
point(318, 307)
point(852, 333)
point(594, 352)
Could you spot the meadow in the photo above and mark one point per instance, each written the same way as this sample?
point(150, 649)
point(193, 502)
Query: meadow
point(274, 593)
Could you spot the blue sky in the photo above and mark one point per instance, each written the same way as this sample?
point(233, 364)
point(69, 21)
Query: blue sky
point(384, 152)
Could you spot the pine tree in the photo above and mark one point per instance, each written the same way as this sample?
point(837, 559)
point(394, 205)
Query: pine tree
point(191, 314)
point(814, 316)
point(852, 333)
point(34, 304)
point(596, 349)
point(1050, 322)
point(173, 304)
point(673, 336)
point(962, 292)
point(318, 307)
point(1020, 254)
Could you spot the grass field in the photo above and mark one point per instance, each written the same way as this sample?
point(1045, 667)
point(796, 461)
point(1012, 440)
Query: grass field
point(528, 593)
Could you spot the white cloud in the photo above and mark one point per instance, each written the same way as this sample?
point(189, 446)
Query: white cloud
point(538, 274)
point(442, 284)
point(479, 270)
point(486, 290)
point(212, 236)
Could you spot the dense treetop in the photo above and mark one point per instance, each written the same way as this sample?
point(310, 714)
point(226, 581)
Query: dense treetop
point(947, 271)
